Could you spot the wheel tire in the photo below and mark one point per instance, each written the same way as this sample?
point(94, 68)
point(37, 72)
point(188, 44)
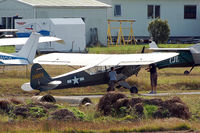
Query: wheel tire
point(85, 100)
point(134, 90)
point(48, 98)
point(186, 72)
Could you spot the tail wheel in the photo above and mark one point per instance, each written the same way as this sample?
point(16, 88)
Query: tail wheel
point(186, 72)
point(134, 89)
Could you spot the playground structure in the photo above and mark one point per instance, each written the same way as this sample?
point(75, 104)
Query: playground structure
point(120, 37)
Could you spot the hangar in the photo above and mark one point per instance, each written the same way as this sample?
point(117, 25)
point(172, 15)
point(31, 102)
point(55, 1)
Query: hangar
point(93, 13)
point(183, 15)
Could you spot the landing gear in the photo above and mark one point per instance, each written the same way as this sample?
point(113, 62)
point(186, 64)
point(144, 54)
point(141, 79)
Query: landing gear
point(186, 72)
point(134, 90)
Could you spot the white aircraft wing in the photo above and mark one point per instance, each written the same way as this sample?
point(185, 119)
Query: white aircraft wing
point(75, 59)
point(21, 41)
point(8, 30)
point(170, 49)
point(153, 46)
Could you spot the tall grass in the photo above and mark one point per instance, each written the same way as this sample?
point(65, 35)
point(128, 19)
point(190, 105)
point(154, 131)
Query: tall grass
point(171, 124)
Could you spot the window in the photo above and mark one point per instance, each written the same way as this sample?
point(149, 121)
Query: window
point(150, 11)
point(190, 12)
point(153, 11)
point(117, 10)
point(9, 22)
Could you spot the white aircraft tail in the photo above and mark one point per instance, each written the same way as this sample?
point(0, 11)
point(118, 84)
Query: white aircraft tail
point(153, 45)
point(29, 49)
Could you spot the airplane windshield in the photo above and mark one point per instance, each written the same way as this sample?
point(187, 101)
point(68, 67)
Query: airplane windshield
point(97, 69)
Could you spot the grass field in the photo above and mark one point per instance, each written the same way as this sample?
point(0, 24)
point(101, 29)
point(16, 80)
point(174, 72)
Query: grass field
point(170, 80)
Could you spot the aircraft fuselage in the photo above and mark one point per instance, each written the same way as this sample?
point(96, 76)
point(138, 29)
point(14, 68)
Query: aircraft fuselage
point(82, 79)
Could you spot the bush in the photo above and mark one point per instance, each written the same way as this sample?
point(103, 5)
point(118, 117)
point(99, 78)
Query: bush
point(79, 114)
point(159, 30)
point(150, 110)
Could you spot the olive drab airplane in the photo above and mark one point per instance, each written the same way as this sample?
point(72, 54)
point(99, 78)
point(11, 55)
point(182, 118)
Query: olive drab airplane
point(94, 71)
point(26, 55)
point(188, 57)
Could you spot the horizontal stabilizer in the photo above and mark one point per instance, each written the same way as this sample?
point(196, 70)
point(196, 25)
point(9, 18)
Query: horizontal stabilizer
point(153, 46)
point(26, 87)
point(51, 85)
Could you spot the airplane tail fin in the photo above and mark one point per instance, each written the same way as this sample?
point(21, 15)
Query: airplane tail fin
point(40, 79)
point(29, 49)
point(153, 45)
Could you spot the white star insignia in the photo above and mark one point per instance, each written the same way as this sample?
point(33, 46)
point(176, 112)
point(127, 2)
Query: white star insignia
point(75, 80)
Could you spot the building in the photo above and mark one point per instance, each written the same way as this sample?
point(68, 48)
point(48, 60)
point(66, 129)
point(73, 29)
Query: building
point(94, 13)
point(183, 15)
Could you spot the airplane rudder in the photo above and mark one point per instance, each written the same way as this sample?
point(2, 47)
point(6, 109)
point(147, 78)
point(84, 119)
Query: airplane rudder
point(38, 76)
point(37, 71)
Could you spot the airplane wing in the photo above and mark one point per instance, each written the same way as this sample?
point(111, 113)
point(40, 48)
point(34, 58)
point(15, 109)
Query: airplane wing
point(21, 41)
point(77, 59)
point(8, 30)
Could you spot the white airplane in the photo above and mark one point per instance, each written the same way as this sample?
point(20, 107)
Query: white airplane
point(27, 53)
point(94, 71)
point(8, 30)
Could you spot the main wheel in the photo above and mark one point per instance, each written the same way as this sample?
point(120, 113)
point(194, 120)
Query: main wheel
point(134, 89)
point(186, 72)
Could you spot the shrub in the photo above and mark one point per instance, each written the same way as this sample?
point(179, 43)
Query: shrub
point(159, 30)
point(79, 114)
point(149, 110)
point(37, 112)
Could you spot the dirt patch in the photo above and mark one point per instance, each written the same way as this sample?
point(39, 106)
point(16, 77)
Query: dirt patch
point(174, 107)
point(63, 114)
point(155, 101)
point(5, 106)
point(42, 109)
point(108, 101)
point(22, 111)
point(46, 105)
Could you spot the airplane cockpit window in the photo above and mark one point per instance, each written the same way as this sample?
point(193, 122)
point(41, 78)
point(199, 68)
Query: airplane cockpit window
point(97, 69)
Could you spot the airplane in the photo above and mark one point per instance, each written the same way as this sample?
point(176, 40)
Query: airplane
point(188, 57)
point(27, 53)
point(8, 30)
point(4, 33)
point(94, 71)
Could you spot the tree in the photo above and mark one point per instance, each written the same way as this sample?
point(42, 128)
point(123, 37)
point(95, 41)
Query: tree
point(159, 30)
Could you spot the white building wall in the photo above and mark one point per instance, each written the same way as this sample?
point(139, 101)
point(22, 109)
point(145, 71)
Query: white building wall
point(94, 17)
point(10, 8)
point(171, 10)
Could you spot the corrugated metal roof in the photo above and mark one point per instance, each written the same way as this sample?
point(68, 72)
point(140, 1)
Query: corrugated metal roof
point(65, 3)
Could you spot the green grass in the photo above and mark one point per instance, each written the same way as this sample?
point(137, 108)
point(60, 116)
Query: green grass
point(130, 49)
point(7, 49)
point(170, 80)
